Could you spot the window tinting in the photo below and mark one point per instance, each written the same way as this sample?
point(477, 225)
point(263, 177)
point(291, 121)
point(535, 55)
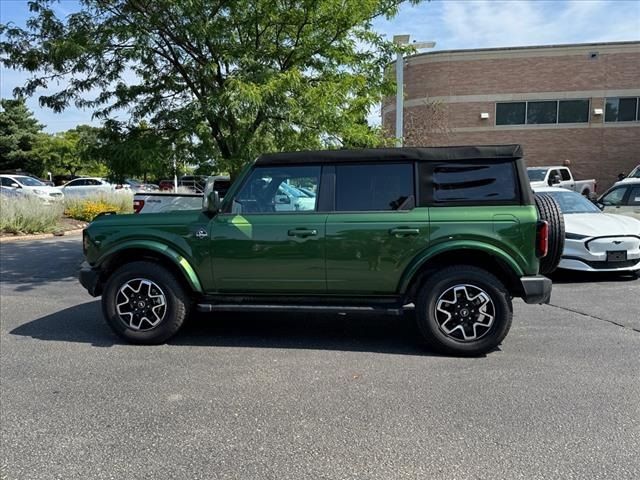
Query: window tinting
point(634, 197)
point(565, 174)
point(510, 113)
point(621, 109)
point(541, 112)
point(614, 197)
point(573, 111)
point(374, 187)
point(278, 190)
point(468, 182)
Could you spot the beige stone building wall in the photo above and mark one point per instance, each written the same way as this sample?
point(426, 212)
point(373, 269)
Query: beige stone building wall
point(445, 93)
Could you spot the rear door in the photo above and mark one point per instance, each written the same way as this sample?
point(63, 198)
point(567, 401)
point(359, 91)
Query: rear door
point(567, 180)
point(375, 229)
point(270, 243)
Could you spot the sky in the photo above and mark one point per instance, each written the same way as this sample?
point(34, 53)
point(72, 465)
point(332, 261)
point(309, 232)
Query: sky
point(452, 24)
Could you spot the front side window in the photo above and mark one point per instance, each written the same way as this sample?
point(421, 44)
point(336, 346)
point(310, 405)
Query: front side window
point(621, 109)
point(614, 197)
point(566, 176)
point(277, 189)
point(472, 183)
point(634, 197)
point(512, 113)
point(368, 187)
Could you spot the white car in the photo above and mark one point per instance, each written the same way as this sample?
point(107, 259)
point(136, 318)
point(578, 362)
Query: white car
point(31, 186)
point(596, 241)
point(86, 186)
point(623, 198)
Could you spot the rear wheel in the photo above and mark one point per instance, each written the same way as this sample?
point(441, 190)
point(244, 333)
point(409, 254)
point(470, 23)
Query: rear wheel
point(144, 303)
point(463, 310)
point(549, 210)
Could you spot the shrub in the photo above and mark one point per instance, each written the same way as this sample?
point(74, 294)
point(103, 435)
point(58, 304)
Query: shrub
point(28, 215)
point(88, 208)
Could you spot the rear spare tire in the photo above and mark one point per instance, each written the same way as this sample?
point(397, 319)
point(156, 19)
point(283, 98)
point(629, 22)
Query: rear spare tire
point(549, 210)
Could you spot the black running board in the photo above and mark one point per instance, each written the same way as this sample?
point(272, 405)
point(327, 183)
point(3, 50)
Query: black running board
point(236, 307)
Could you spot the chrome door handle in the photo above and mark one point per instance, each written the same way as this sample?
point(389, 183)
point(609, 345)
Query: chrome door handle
point(302, 232)
point(404, 232)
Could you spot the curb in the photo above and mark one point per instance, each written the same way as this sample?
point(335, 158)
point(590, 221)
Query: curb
point(40, 236)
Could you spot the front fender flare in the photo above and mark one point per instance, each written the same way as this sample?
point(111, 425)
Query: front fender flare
point(420, 260)
point(176, 258)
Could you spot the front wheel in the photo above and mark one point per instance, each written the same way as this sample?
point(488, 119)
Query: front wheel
point(144, 303)
point(463, 310)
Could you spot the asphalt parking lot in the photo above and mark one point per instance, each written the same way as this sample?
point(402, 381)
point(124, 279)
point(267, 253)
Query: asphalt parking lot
point(318, 397)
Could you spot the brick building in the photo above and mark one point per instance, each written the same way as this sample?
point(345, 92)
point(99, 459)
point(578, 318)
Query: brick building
point(564, 102)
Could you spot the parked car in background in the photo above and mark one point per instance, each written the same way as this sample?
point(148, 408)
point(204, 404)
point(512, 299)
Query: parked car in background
point(32, 186)
point(87, 186)
point(595, 241)
point(556, 176)
point(166, 185)
point(195, 183)
point(136, 186)
point(156, 202)
point(8, 192)
point(623, 198)
point(634, 175)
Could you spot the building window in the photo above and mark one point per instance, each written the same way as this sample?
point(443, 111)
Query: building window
point(621, 109)
point(573, 111)
point(542, 112)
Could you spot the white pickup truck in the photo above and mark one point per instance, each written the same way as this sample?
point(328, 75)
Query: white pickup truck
point(184, 199)
point(286, 198)
point(555, 176)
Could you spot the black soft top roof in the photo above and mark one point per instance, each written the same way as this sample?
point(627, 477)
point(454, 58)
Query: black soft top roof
point(422, 154)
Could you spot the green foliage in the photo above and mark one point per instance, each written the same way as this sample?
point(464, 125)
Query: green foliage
point(19, 134)
point(27, 215)
point(88, 208)
point(231, 79)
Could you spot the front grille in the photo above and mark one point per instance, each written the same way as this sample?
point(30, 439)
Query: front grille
point(606, 265)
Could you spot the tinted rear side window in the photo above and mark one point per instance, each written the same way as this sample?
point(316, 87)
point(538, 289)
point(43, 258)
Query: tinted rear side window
point(374, 187)
point(474, 182)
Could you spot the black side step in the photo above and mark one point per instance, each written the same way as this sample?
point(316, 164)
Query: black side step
point(239, 307)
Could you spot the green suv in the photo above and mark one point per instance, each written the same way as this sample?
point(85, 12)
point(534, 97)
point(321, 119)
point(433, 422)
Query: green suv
point(453, 230)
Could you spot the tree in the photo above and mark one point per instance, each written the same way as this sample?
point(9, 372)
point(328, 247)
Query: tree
point(238, 77)
point(19, 133)
point(71, 152)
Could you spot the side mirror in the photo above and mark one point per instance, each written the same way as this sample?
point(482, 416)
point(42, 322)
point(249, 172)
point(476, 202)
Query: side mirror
point(283, 200)
point(211, 202)
point(555, 180)
point(15, 185)
point(600, 205)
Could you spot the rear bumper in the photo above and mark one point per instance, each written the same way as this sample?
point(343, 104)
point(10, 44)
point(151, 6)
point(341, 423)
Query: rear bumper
point(90, 279)
point(536, 289)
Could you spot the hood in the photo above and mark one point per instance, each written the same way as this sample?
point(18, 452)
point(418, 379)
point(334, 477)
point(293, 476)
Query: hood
point(539, 184)
point(144, 220)
point(601, 224)
point(44, 188)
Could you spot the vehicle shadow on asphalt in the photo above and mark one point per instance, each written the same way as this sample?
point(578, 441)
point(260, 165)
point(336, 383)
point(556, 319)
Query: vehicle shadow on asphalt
point(28, 265)
point(571, 276)
point(358, 333)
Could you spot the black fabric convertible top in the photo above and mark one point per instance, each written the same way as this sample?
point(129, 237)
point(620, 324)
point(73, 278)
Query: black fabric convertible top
point(422, 154)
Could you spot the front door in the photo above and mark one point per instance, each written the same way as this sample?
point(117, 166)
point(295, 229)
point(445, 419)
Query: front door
point(272, 238)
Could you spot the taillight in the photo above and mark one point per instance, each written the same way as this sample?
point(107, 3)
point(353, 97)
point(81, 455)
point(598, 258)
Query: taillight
point(542, 239)
point(137, 205)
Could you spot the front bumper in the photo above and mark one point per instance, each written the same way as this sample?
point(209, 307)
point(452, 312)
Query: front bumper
point(90, 279)
point(536, 289)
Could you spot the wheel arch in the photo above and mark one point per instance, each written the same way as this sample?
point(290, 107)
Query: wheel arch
point(153, 251)
point(482, 256)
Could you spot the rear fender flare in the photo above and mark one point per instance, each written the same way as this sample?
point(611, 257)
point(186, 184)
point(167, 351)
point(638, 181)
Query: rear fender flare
point(468, 246)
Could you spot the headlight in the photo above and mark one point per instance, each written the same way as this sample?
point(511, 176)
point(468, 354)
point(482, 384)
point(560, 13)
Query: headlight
point(39, 192)
point(575, 236)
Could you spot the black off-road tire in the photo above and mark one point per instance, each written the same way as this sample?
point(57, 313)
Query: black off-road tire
point(442, 283)
point(176, 298)
point(549, 210)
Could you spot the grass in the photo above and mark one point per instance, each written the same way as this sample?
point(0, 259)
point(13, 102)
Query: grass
point(88, 208)
point(27, 215)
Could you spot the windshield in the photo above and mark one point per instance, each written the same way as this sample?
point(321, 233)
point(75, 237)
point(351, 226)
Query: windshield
point(571, 202)
point(30, 181)
point(537, 174)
